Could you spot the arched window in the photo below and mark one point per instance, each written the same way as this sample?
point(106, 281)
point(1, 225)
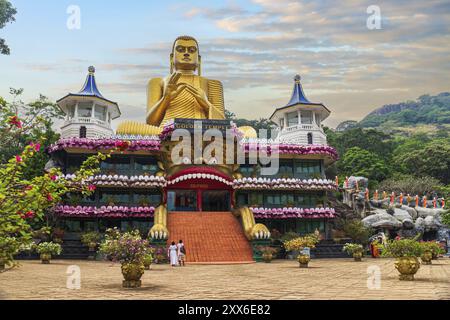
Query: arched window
point(310, 138)
point(83, 132)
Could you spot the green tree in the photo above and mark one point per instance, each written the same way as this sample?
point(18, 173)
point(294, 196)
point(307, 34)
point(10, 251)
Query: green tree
point(432, 160)
point(7, 12)
point(360, 162)
point(22, 123)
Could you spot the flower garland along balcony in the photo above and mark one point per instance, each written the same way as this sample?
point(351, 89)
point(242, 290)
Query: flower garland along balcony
point(124, 181)
point(149, 144)
point(282, 183)
point(288, 148)
point(104, 212)
point(287, 213)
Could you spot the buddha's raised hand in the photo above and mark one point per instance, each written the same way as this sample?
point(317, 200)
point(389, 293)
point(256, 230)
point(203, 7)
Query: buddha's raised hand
point(171, 88)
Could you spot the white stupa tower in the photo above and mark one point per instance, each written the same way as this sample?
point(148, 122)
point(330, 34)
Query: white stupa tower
point(88, 113)
point(300, 120)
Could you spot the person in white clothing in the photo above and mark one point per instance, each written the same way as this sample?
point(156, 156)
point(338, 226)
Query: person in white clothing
point(173, 254)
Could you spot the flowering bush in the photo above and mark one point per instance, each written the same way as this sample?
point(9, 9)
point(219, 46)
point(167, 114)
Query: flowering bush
point(90, 238)
point(267, 249)
point(49, 248)
point(23, 201)
point(352, 248)
point(297, 244)
point(126, 247)
point(432, 247)
point(403, 248)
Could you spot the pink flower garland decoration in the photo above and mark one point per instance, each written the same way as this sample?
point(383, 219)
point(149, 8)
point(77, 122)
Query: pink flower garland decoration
point(104, 212)
point(282, 183)
point(289, 213)
point(95, 144)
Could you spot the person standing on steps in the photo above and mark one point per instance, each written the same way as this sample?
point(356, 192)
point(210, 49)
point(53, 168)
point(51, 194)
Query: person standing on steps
point(181, 253)
point(172, 254)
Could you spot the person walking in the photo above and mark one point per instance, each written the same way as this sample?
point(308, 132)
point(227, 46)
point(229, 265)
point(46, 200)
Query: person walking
point(181, 253)
point(172, 254)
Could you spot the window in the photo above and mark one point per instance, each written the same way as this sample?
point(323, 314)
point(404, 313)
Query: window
point(247, 170)
point(116, 165)
point(292, 119)
point(310, 138)
point(83, 132)
point(114, 198)
point(100, 112)
point(242, 199)
point(307, 117)
point(307, 169)
point(147, 165)
point(85, 110)
point(285, 168)
point(147, 199)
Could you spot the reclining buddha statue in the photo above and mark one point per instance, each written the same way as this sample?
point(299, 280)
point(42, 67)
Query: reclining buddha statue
point(182, 94)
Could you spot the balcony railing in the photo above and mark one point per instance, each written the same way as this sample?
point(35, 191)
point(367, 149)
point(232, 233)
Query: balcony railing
point(308, 127)
point(86, 120)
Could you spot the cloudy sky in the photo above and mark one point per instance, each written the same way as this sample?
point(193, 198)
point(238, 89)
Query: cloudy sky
point(254, 47)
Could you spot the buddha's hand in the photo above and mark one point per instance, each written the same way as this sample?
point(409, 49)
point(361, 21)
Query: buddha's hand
point(200, 96)
point(171, 88)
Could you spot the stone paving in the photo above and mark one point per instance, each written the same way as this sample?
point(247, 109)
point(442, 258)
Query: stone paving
point(281, 279)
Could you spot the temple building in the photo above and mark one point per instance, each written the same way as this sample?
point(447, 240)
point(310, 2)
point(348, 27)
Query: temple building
point(206, 203)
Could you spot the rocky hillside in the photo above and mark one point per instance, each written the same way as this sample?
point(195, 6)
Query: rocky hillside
point(426, 110)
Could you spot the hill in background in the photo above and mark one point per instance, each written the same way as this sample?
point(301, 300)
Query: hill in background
point(427, 114)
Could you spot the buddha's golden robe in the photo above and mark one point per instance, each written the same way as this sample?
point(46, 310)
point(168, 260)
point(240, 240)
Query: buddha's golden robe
point(182, 106)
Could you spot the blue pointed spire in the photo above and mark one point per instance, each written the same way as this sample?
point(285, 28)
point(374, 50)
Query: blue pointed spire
point(90, 86)
point(298, 96)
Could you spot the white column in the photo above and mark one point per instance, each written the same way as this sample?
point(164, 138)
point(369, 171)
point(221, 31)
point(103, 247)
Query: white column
point(314, 119)
point(75, 115)
point(299, 116)
point(93, 112)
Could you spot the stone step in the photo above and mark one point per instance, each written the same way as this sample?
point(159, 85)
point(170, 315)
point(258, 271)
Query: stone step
point(210, 237)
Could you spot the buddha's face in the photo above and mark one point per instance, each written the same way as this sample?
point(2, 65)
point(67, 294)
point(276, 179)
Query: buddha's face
point(185, 55)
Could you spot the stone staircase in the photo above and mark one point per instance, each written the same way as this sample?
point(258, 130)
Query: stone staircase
point(210, 237)
point(72, 248)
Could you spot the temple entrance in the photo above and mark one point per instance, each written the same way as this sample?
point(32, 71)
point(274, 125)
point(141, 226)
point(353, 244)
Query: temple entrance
point(198, 200)
point(215, 200)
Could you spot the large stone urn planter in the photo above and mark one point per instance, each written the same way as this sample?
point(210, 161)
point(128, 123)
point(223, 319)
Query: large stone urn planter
point(267, 257)
point(132, 273)
point(45, 258)
point(407, 266)
point(303, 260)
point(357, 256)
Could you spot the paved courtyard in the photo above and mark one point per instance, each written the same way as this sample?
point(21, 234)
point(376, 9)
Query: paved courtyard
point(325, 279)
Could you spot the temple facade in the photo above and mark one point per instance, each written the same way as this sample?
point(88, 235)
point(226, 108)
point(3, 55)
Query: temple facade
point(233, 206)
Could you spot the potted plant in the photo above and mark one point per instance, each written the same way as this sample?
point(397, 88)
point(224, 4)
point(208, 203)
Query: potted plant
point(148, 259)
point(406, 251)
point(91, 240)
point(431, 250)
point(354, 249)
point(129, 249)
point(267, 253)
point(301, 243)
point(47, 249)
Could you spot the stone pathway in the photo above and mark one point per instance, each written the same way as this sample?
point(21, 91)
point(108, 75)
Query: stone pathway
point(281, 279)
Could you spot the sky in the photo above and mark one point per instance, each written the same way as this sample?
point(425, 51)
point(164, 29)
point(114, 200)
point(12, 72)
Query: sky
point(254, 47)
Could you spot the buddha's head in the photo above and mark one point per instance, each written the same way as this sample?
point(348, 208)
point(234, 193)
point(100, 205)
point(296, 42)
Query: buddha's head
point(185, 55)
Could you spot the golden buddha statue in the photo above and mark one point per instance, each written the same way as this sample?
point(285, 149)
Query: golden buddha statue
point(183, 94)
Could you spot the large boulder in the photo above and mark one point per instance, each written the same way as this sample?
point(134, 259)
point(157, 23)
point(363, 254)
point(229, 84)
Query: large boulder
point(412, 212)
point(381, 220)
point(408, 224)
point(401, 214)
point(431, 223)
point(362, 182)
point(425, 212)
